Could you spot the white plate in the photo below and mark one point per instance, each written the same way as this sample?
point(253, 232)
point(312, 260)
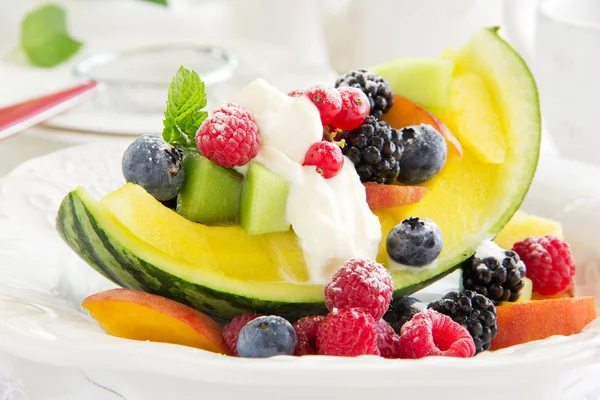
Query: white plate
point(42, 283)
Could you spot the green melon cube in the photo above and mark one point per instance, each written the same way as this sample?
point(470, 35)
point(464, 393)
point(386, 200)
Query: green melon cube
point(425, 81)
point(264, 201)
point(210, 193)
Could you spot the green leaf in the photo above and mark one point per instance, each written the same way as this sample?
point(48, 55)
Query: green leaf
point(161, 2)
point(44, 37)
point(183, 115)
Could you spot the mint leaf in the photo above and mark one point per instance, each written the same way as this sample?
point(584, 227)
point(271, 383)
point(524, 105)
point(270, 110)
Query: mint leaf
point(44, 37)
point(183, 116)
point(161, 2)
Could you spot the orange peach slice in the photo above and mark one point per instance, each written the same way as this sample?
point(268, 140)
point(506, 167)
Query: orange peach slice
point(568, 292)
point(406, 113)
point(535, 320)
point(137, 315)
point(386, 196)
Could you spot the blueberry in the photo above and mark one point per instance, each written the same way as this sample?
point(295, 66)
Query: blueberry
point(425, 152)
point(155, 165)
point(415, 242)
point(266, 337)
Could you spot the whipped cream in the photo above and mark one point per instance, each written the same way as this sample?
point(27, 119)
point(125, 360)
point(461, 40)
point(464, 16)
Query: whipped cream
point(394, 265)
point(331, 217)
point(489, 249)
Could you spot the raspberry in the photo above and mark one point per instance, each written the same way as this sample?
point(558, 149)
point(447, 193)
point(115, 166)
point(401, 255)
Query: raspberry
point(327, 157)
point(548, 262)
point(327, 100)
point(430, 333)
point(306, 331)
point(229, 137)
point(349, 332)
point(232, 330)
point(388, 342)
point(360, 283)
point(355, 108)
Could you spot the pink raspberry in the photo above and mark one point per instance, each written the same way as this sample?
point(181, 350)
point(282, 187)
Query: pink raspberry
point(430, 333)
point(548, 262)
point(229, 137)
point(306, 331)
point(388, 342)
point(349, 332)
point(232, 330)
point(360, 283)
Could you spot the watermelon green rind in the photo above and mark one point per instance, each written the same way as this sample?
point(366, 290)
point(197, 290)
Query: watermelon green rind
point(515, 92)
point(505, 89)
point(98, 238)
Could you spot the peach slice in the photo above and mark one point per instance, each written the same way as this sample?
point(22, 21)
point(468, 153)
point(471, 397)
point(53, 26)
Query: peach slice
point(535, 320)
point(406, 113)
point(131, 314)
point(568, 292)
point(381, 196)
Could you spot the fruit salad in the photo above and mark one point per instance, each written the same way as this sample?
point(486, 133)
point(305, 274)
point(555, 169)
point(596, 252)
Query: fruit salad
point(303, 222)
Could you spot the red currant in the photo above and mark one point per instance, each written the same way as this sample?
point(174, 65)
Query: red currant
point(327, 157)
point(355, 108)
point(327, 100)
point(297, 93)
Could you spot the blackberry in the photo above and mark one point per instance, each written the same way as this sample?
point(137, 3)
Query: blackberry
point(375, 149)
point(495, 273)
point(374, 86)
point(401, 311)
point(472, 310)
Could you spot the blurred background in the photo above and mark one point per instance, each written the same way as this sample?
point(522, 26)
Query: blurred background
point(133, 47)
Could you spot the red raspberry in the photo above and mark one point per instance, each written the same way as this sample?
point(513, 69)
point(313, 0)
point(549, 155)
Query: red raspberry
point(355, 108)
point(388, 342)
point(327, 157)
point(229, 137)
point(306, 331)
point(349, 332)
point(327, 100)
point(548, 262)
point(430, 333)
point(360, 283)
point(232, 330)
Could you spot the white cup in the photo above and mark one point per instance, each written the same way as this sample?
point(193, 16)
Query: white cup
point(567, 63)
point(363, 33)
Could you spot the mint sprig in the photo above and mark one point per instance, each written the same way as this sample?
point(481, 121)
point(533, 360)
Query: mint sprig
point(183, 116)
point(44, 37)
point(160, 2)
